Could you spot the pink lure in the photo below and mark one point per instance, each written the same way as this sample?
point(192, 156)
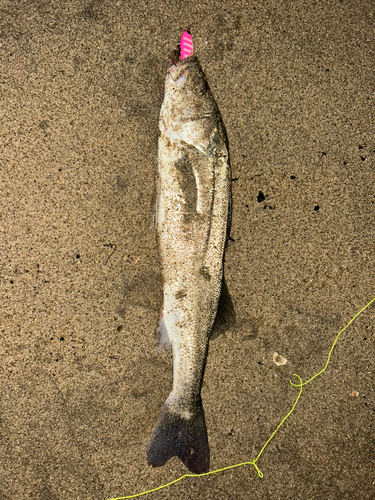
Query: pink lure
point(186, 45)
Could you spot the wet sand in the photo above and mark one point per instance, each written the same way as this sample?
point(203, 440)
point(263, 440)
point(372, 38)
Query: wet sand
point(81, 86)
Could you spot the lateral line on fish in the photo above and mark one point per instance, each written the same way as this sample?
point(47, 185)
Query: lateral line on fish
point(254, 462)
point(211, 208)
point(196, 118)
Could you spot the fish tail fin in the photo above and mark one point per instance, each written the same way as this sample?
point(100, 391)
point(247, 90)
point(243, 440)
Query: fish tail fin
point(185, 438)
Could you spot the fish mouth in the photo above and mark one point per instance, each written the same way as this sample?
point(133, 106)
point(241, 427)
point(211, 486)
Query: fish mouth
point(174, 58)
point(178, 68)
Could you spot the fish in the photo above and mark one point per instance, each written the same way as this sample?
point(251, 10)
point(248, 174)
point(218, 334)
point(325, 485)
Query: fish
point(193, 218)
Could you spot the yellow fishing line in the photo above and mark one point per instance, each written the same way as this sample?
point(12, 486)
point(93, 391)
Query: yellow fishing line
point(334, 343)
point(253, 462)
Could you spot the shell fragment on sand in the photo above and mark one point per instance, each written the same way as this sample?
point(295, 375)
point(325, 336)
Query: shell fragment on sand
point(278, 359)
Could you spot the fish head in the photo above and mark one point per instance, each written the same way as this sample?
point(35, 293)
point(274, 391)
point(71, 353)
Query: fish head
point(189, 112)
point(185, 75)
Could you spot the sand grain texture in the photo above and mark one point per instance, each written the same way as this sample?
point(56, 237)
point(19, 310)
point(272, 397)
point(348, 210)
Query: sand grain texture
point(81, 85)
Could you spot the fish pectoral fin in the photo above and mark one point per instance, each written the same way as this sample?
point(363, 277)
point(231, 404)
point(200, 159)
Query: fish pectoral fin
point(225, 317)
point(185, 438)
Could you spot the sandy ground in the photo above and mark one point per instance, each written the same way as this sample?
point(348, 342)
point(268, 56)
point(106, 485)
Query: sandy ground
point(82, 386)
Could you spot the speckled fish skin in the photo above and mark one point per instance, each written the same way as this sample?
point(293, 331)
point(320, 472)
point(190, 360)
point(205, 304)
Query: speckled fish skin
point(194, 196)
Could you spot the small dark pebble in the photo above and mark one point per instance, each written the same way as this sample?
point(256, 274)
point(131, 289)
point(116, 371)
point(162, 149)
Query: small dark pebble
point(261, 197)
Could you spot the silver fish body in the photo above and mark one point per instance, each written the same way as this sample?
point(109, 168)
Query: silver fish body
point(193, 212)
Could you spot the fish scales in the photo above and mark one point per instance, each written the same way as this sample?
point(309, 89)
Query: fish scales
point(194, 197)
